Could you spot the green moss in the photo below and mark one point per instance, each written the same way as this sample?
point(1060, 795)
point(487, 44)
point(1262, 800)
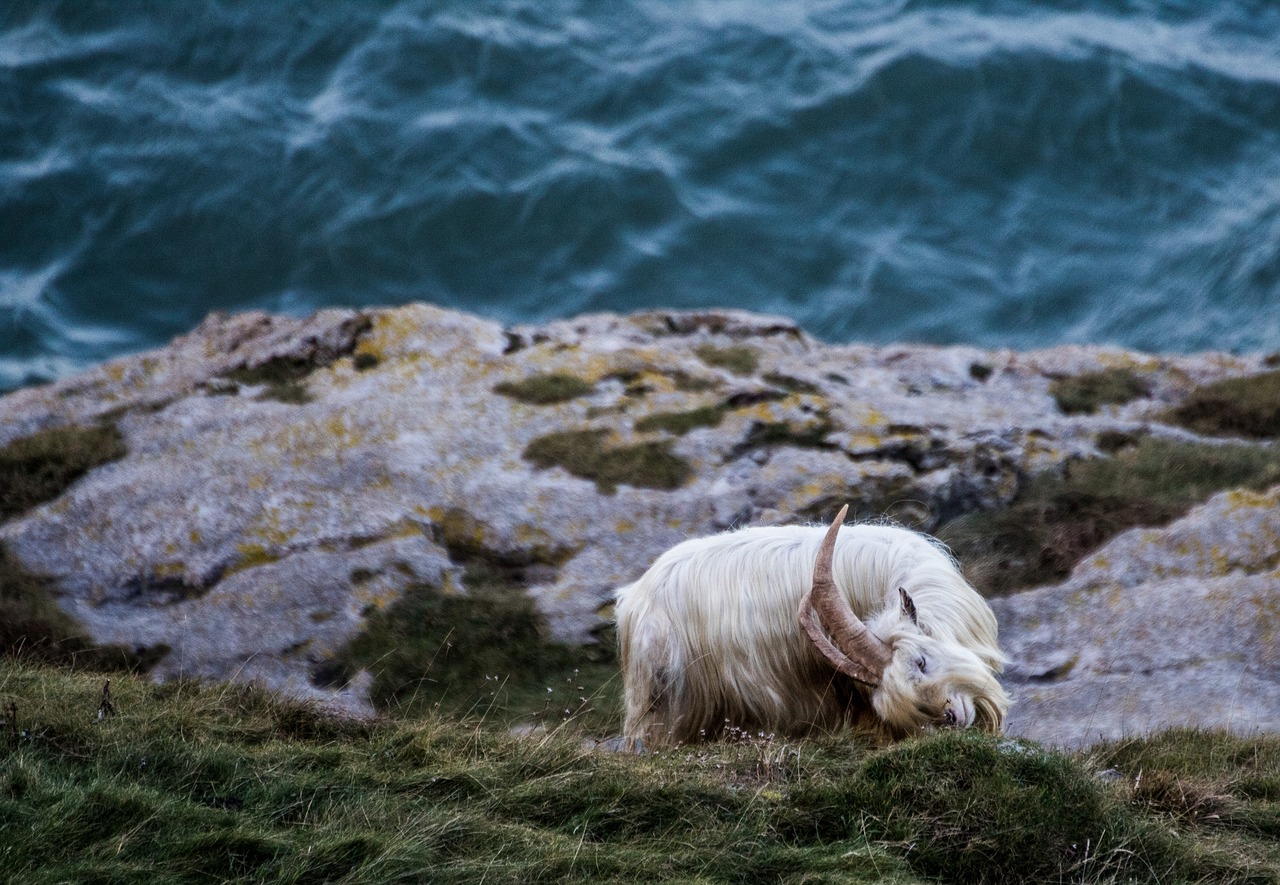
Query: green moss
point(738, 359)
point(1058, 518)
point(687, 383)
point(1083, 394)
point(283, 377)
point(790, 384)
point(584, 454)
point(42, 466)
point(545, 389)
point(801, 434)
point(463, 536)
point(1248, 407)
point(681, 423)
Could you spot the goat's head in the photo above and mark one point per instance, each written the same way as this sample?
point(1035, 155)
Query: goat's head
point(915, 680)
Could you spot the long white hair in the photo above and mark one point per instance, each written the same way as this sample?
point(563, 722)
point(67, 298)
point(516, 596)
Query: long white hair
point(710, 638)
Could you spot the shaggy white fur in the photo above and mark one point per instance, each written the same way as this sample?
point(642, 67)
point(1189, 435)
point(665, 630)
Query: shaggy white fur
point(710, 638)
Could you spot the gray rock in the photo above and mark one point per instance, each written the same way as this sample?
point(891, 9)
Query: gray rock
point(285, 475)
point(1159, 628)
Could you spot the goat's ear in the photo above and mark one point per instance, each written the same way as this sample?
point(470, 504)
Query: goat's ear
point(908, 606)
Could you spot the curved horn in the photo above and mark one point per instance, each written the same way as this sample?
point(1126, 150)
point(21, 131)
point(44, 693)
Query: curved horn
point(856, 651)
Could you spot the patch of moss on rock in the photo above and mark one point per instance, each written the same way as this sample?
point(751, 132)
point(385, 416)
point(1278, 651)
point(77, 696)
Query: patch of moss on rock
point(800, 434)
point(680, 423)
point(1084, 394)
point(790, 383)
point(1248, 407)
point(282, 377)
point(686, 383)
point(482, 652)
point(1058, 518)
point(545, 389)
point(42, 466)
point(650, 465)
point(738, 359)
point(463, 536)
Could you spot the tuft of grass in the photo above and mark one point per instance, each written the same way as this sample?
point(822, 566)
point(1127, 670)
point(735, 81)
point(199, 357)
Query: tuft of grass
point(1059, 517)
point(583, 453)
point(738, 359)
point(1083, 394)
point(483, 652)
point(1206, 779)
point(1248, 407)
point(545, 389)
point(188, 782)
point(42, 466)
point(968, 808)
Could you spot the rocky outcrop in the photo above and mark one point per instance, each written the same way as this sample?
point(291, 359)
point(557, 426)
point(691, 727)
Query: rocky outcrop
point(285, 477)
point(1178, 626)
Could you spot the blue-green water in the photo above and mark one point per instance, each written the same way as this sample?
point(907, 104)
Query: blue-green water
point(1003, 173)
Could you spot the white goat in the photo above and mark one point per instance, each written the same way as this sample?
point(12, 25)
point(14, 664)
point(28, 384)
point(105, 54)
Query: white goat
point(763, 629)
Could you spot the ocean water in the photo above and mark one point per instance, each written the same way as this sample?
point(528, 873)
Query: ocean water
point(999, 173)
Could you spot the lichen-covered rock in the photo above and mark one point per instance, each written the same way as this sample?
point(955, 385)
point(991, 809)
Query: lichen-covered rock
point(284, 477)
point(1178, 626)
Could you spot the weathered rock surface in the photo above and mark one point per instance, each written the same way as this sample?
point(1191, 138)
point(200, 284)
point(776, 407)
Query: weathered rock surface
point(1178, 626)
point(284, 476)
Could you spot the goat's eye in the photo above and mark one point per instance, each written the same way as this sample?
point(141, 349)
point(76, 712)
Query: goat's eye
point(921, 663)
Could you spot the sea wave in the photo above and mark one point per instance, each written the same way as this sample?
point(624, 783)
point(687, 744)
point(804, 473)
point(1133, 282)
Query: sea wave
point(1002, 173)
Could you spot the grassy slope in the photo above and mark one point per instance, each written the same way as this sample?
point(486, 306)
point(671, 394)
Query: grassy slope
point(209, 784)
point(206, 784)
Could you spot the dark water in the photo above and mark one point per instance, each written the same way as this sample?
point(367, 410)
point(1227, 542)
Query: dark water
point(1002, 173)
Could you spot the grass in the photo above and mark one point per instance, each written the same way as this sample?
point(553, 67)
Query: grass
point(1248, 407)
point(584, 454)
point(481, 653)
point(42, 466)
point(187, 783)
point(1084, 394)
point(1059, 517)
point(545, 389)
